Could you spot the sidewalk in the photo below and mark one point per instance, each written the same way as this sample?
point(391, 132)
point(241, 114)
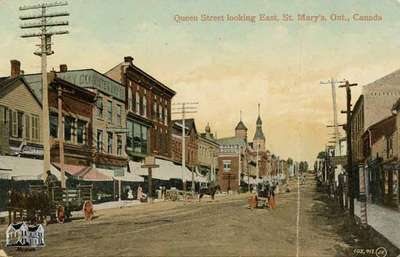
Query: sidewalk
point(102, 206)
point(117, 204)
point(383, 220)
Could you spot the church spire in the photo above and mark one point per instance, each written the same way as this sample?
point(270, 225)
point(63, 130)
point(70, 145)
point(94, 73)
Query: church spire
point(259, 135)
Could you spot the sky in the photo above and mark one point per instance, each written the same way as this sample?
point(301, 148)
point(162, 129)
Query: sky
point(229, 66)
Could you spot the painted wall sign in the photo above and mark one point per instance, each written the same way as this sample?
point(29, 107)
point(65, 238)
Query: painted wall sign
point(91, 78)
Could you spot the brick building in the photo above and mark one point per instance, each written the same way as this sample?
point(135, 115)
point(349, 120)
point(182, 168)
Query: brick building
point(148, 105)
point(191, 142)
point(77, 119)
point(108, 132)
point(231, 162)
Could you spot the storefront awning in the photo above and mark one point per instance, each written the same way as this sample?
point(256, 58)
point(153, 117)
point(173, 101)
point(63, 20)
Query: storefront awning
point(127, 176)
point(20, 168)
point(84, 172)
point(167, 170)
point(249, 180)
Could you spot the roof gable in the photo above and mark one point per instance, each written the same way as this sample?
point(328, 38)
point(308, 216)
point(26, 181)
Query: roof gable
point(7, 84)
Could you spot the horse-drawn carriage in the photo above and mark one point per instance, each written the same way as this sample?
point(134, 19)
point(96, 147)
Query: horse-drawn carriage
point(42, 201)
point(175, 194)
point(260, 200)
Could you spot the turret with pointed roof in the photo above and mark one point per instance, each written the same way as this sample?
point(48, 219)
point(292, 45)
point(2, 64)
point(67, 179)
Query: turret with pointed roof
point(241, 129)
point(259, 138)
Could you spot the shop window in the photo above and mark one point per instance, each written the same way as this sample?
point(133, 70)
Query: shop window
point(129, 136)
point(137, 137)
point(144, 139)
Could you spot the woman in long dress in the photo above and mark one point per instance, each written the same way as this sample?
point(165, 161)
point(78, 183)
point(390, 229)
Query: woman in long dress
point(139, 193)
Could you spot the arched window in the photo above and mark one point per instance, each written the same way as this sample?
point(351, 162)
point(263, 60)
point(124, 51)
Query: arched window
point(160, 113)
point(129, 99)
point(137, 98)
point(154, 110)
point(144, 106)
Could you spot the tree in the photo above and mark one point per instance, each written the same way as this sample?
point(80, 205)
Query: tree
point(321, 155)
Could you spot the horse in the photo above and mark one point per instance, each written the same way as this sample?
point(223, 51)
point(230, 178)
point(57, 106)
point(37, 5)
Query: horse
point(209, 190)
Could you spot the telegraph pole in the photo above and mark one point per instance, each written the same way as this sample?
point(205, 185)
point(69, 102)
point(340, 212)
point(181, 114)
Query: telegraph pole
point(333, 82)
point(44, 22)
point(183, 109)
point(350, 175)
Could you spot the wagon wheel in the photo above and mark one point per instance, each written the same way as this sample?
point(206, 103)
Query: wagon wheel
point(88, 210)
point(60, 214)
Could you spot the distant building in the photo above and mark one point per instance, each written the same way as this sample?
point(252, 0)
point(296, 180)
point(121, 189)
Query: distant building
point(207, 154)
point(191, 142)
point(231, 162)
point(259, 138)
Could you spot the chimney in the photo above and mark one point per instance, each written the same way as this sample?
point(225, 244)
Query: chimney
point(128, 60)
point(63, 68)
point(15, 68)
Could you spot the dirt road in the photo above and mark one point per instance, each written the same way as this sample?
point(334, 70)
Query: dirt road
point(225, 227)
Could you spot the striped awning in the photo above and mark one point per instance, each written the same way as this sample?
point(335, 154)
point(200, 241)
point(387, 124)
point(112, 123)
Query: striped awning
point(86, 173)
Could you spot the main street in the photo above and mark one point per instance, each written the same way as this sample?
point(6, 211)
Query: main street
point(225, 227)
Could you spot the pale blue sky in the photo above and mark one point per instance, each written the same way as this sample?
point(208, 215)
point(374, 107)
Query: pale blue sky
point(228, 66)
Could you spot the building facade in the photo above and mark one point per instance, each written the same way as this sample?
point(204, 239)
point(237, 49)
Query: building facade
point(231, 163)
point(108, 132)
point(20, 116)
point(77, 106)
point(21, 111)
point(207, 154)
point(191, 143)
point(148, 105)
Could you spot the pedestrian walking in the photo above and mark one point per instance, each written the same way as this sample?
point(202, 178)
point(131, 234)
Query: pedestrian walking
point(272, 201)
point(139, 193)
point(130, 194)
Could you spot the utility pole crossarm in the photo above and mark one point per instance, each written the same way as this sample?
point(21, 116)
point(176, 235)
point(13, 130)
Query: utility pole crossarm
point(43, 24)
point(333, 83)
